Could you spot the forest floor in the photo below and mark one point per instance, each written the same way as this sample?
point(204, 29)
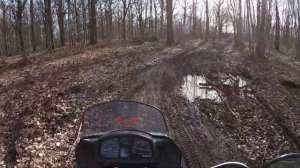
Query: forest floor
point(254, 117)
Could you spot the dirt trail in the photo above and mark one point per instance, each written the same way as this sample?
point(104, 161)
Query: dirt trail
point(41, 103)
point(203, 144)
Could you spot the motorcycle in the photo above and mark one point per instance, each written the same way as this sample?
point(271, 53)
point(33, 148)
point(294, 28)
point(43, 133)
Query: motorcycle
point(127, 134)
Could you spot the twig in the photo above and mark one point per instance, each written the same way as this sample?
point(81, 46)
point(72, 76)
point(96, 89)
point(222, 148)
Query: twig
point(75, 142)
point(263, 160)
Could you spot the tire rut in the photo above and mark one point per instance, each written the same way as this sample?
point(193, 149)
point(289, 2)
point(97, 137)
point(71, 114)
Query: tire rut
point(201, 145)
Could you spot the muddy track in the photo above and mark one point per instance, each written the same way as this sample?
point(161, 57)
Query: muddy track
point(202, 144)
point(201, 140)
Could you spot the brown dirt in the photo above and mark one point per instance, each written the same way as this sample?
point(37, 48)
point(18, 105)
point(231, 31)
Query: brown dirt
point(41, 102)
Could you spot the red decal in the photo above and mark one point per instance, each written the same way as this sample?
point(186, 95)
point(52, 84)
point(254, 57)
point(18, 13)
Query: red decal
point(122, 122)
point(133, 121)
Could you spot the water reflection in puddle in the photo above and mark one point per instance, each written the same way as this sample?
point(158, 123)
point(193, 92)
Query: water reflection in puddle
point(231, 80)
point(196, 87)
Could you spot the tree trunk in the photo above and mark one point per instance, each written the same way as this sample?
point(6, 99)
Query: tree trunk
point(124, 27)
point(287, 30)
point(194, 11)
point(84, 25)
point(124, 20)
point(277, 28)
point(70, 26)
point(106, 21)
point(140, 19)
point(131, 24)
point(119, 20)
point(77, 21)
point(50, 24)
point(45, 29)
point(61, 22)
point(250, 26)
point(184, 14)
point(110, 21)
point(162, 5)
point(19, 13)
point(269, 26)
point(298, 32)
point(101, 24)
point(260, 45)
point(207, 21)
point(200, 26)
point(48, 19)
point(151, 26)
point(219, 20)
point(33, 39)
point(170, 35)
point(155, 17)
point(4, 28)
point(238, 40)
point(93, 22)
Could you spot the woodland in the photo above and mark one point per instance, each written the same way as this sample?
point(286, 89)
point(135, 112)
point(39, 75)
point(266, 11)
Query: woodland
point(59, 57)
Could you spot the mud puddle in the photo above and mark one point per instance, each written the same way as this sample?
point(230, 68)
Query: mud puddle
point(196, 87)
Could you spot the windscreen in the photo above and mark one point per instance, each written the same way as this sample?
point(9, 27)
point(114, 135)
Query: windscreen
point(117, 115)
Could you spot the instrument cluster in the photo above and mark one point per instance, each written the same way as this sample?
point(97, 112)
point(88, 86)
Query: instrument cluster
point(126, 148)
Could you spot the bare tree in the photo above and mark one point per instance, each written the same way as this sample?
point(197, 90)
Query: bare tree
point(77, 20)
point(239, 25)
point(184, 8)
point(4, 27)
point(260, 41)
point(277, 28)
point(61, 21)
point(269, 25)
point(162, 8)
point(155, 17)
point(48, 24)
point(207, 21)
point(70, 25)
point(298, 31)
point(108, 16)
point(151, 25)
point(19, 17)
point(86, 21)
point(287, 30)
point(170, 35)
point(235, 14)
point(139, 6)
point(220, 16)
point(32, 19)
point(194, 17)
point(251, 28)
point(93, 22)
point(84, 25)
point(126, 6)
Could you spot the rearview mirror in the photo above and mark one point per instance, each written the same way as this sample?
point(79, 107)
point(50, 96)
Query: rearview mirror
point(285, 161)
point(231, 165)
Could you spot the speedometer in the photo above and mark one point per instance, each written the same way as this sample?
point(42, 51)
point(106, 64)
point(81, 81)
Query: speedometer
point(110, 148)
point(141, 149)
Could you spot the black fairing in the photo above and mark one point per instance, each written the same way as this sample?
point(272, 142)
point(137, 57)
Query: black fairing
point(125, 134)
